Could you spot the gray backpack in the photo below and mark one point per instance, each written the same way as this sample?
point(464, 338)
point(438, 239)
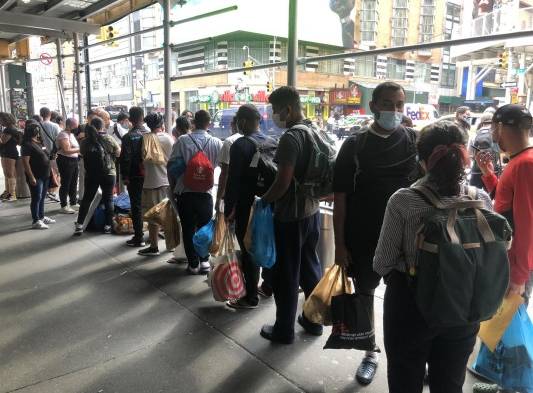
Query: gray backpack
point(461, 272)
point(317, 181)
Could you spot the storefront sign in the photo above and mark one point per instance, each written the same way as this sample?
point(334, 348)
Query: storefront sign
point(229, 97)
point(350, 96)
point(310, 100)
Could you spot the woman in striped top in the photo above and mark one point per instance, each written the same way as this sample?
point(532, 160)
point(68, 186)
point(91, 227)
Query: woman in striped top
point(409, 342)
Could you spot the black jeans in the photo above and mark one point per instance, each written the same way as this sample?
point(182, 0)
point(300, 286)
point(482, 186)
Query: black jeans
point(135, 190)
point(38, 195)
point(92, 183)
point(68, 170)
point(195, 210)
point(297, 265)
point(410, 344)
point(249, 268)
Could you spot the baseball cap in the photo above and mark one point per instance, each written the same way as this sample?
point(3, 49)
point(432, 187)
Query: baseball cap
point(513, 115)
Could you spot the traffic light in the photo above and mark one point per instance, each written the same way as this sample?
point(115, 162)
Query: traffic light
point(247, 64)
point(269, 86)
point(108, 33)
point(503, 60)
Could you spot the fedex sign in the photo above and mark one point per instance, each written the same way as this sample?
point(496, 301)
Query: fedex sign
point(420, 112)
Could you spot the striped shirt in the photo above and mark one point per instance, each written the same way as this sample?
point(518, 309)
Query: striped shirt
point(403, 217)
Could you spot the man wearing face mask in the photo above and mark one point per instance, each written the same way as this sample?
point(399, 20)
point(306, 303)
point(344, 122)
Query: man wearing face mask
point(462, 120)
point(371, 166)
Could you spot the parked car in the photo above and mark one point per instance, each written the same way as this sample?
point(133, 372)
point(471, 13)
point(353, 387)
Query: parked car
point(221, 122)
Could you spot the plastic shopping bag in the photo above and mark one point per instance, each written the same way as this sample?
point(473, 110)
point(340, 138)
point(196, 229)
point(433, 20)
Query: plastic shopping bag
point(263, 247)
point(491, 331)
point(511, 364)
point(202, 239)
point(317, 307)
point(218, 236)
point(226, 279)
point(353, 323)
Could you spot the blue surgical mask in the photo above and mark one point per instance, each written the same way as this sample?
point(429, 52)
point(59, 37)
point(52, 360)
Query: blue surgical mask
point(389, 120)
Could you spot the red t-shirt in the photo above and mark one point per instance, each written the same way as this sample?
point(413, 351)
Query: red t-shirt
point(514, 199)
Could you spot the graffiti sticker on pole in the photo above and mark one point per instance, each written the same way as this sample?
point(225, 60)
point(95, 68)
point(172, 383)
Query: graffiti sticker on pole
point(46, 59)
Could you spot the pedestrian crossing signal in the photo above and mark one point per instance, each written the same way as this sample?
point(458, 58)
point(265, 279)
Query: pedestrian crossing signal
point(503, 61)
point(269, 86)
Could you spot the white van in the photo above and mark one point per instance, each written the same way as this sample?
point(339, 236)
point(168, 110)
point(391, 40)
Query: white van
point(421, 114)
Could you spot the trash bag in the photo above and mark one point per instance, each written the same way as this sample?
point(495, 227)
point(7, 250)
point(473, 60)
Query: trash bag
point(317, 307)
point(263, 247)
point(202, 239)
point(218, 237)
point(226, 279)
point(122, 203)
point(511, 364)
point(491, 331)
point(353, 323)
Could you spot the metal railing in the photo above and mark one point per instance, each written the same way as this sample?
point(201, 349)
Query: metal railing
point(503, 20)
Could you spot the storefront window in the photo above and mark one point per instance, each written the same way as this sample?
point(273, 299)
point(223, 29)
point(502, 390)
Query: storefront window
point(448, 75)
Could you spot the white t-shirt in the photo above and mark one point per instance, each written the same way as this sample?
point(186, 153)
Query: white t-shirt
point(223, 157)
point(73, 143)
point(120, 130)
point(155, 176)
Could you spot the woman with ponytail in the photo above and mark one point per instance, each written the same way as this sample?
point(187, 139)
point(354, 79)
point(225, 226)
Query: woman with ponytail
point(99, 151)
point(409, 342)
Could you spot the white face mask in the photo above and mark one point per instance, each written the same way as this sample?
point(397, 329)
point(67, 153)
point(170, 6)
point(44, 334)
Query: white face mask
point(389, 120)
point(278, 122)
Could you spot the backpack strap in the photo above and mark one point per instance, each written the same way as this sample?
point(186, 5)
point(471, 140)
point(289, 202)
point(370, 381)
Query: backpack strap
point(257, 154)
point(196, 143)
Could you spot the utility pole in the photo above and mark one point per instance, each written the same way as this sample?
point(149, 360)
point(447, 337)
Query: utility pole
point(77, 75)
point(60, 80)
point(166, 63)
point(293, 43)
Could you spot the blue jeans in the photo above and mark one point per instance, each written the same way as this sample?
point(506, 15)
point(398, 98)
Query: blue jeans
point(38, 195)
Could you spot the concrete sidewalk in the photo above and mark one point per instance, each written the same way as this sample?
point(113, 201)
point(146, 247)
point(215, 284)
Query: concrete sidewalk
point(90, 315)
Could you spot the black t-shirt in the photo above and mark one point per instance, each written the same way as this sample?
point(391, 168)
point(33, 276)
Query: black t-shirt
point(39, 161)
point(383, 165)
point(10, 147)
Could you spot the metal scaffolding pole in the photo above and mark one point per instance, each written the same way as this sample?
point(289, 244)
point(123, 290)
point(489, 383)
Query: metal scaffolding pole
point(60, 76)
point(87, 72)
point(77, 71)
point(292, 53)
point(166, 63)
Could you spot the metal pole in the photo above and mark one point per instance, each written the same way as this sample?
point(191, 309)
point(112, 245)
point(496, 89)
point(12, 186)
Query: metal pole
point(166, 64)
point(293, 43)
point(3, 90)
point(87, 72)
point(78, 78)
point(61, 86)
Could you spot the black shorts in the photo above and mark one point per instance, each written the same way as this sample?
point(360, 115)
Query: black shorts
point(12, 154)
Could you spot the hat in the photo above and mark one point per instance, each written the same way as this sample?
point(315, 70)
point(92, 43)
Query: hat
point(512, 115)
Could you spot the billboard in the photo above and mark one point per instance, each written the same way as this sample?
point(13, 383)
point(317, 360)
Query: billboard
point(329, 22)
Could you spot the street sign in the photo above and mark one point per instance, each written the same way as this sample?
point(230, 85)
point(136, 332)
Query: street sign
point(521, 71)
point(46, 59)
point(509, 84)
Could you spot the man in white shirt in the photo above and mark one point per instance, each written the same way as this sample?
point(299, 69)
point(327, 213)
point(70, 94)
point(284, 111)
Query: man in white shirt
point(223, 161)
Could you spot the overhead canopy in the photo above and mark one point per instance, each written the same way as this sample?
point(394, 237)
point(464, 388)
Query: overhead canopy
point(61, 18)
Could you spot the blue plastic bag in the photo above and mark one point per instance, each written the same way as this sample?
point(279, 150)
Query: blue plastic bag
point(263, 249)
point(176, 167)
point(511, 364)
point(97, 222)
point(122, 203)
point(203, 238)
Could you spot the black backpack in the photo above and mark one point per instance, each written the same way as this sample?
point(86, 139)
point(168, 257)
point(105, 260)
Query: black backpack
point(461, 271)
point(263, 162)
point(96, 159)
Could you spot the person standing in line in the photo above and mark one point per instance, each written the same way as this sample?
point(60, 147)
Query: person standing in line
point(156, 185)
point(9, 153)
point(49, 133)
point(80, 135)
point(223, 162)
point(195, 209)
point(371, 166)
point(296, 220)
point(462, 120)
point(511, 125)
point(99, 151)
point(67, 162)
point(118, 130)
point(240, 191)
point(188, 114)
point(132, 170)
point(183, 127)
point(410, 342)
point(36, 162)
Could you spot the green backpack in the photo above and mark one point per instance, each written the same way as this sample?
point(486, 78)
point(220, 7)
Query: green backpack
point(461, 272)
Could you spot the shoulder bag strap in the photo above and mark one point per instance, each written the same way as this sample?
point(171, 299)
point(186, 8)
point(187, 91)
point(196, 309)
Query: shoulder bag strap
point(46, 133)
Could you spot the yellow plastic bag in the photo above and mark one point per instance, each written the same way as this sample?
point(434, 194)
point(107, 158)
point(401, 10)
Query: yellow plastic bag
point(317, 307)
point(151, 149)
point(218, 237)
point(491, 331)
point(163, 214)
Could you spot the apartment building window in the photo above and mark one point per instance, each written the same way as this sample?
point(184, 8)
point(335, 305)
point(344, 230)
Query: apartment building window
point(151, 70)
point(422, 73)
point(427, 20)
point(399, 22)
point(448, 75)
point(369, 20)
point(365, 66)
point(396, 69)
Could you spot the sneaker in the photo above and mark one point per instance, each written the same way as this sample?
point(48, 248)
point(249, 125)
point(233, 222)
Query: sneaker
point(367, 370)
point(67, 210)
point(149, 251)
point(205, 267)
point(264, 290)
point(39, 225)
point(52, 197)
point(240, 304)
point(48, 220)
point(10, 198)
point(5, 195)
point(485, 388)
point(107, 229)
point(78, 229)
point(134, 242)
point(193, 271)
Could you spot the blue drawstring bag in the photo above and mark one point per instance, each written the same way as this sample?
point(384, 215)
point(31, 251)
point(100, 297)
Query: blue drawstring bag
point(511, 364)
point(203, 238)
point(263, 247)
point(122, 203)
point(176, 167)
